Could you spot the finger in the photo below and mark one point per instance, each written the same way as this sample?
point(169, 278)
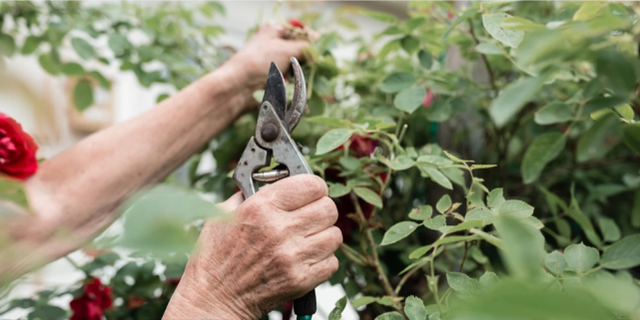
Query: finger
point(322, 271)
point(294, 192)
point(321, 245)
point(272, 30)
point(315, 217)
point(298, 49)
point(232, 203)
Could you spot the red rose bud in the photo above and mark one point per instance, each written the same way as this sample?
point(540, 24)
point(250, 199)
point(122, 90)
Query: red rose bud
point(428, 99)
point(93, 302)
point(296, 23)
point(17, 150)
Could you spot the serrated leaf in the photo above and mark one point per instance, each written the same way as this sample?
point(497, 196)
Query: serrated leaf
point(609, 229)
point(409, 100)
point(82, 48)
point(435, 175)
point(461, 226)
point(394, 315)
point(464, 284)
point(555, 112)
point(513, 98)
point(555, 262)
point(493, 23)
point(332, 140)
point(519, 23)
point(336, 313)
point(417, 253)
point(425, 58)
point(338, 190)
point(83, 95)
point(495, 198)
point(443, 204)
point(414, 308)
point(544, 149)
point(398, 232)
point(435, 223)
point(397, 81)
point(421, 213)
point(401, 163)
point(623, 254)
point(581, 258)
point(435, 160)
point(489, 279)
point(369, 196)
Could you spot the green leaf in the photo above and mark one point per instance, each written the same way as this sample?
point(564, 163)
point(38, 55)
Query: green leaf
point(47, 312)
point(463, 284)
point(596, 142)
point(7, 45)
point(421, 213)
point(414, 308)
point(327, 121)
point(635, 211)
point(363, 301)
point(30, 45)
point(631, 136)
point(397, 81)
point(489, 279)
point(101, 79)
point(350, 163)
point(489, 48)
point(555, 112)
point(410, 44)
point(609, 229)
point(393, 315)
point(450, 239)
point(435, 175)
point(48, 63)
point(408, 100)
point(83, 95)
point(338, 190)
point(513, 98)
point(369, 196)
point(617, 71)
point(623, 254)
point(495, 198)
point(518, 23)
point(401, 163)
point(493, 23)
point(544, 149)
point(462, 226)
point(523, 247)
point(435, 160)
point(555, 262)
point(72, 69)
point(443, 204)
point(118, 43)
point(588, 10)
point(331, 140)
point(575, 213)
point(462, 18)
point(336, 313)
point(515, 208)
point(581, 258)
point(381, 16)
point(83, 48)
point(398, 232)
point(425, 58)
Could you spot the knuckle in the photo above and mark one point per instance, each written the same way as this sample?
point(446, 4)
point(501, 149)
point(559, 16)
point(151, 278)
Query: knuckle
point(333, 264)
point(336, 237)
point(329, 209)
point(315, 185)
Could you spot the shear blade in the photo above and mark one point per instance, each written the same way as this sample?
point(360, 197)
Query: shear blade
point(275, 91)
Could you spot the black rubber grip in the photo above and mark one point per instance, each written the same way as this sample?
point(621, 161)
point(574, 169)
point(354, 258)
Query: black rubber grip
point(306, 305)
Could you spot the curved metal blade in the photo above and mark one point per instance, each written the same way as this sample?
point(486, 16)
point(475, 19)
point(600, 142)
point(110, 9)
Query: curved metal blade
point(299, 101)
point(275, 91)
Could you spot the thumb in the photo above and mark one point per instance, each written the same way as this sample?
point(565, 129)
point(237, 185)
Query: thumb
point(232, 203)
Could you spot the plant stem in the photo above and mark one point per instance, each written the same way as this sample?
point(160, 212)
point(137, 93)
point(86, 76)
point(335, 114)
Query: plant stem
point(374, 251)
point(492, 78)
point(408, 275)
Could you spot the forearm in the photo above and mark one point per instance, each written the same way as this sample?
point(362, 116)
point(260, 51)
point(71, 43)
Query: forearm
point(77, 192)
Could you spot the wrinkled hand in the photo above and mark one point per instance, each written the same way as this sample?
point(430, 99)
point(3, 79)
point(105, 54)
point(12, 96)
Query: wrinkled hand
point(267, 44)
point(278, 247)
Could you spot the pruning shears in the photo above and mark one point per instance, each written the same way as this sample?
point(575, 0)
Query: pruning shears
point(272, 140)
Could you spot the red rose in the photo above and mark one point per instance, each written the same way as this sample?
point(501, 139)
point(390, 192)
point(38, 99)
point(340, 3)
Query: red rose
point(173, 282)
point(428, 99)
point(17, 150)
point(92, 303)
point(296, 23)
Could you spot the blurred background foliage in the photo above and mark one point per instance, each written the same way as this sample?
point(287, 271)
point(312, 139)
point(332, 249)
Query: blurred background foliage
point(541, 98)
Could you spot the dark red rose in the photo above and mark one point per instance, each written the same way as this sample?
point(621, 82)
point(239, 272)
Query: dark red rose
point(296, 23)
point(17, 150)
point(361, 146)
point(428, 99)
point(93, 302)
point(135, 302)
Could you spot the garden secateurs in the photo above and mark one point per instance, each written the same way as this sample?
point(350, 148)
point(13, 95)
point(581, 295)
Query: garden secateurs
point(272, 140)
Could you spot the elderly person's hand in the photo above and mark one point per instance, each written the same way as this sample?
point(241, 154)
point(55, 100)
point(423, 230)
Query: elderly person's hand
point(278, 247)
point(267, 45)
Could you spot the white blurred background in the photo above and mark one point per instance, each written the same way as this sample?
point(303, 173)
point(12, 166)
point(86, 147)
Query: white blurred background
point(42, 104)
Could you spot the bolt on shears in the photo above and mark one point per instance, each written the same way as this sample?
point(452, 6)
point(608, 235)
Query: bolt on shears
point(272, 140)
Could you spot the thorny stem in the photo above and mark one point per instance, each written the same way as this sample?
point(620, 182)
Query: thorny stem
point(374, 251)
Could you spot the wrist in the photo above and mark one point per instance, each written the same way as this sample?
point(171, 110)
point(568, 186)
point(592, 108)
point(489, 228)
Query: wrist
point(238, 78)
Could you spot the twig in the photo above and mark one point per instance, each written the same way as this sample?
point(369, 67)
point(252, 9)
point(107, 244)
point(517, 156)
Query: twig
point(464, 256)
point(492, 78)
point(408, 275)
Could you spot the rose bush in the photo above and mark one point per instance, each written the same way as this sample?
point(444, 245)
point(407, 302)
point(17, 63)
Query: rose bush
point(484, 159)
